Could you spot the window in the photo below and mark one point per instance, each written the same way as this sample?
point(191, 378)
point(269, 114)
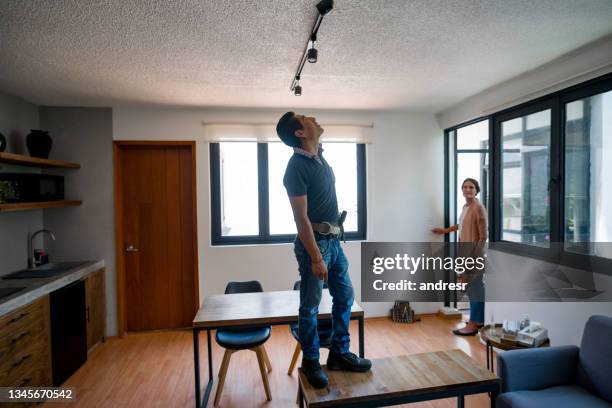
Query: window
point(249, 202)
point(238, 187)
point(471, 160)
point(545, 170)
point(588, 159)
point(281, 216)
point(525, 150)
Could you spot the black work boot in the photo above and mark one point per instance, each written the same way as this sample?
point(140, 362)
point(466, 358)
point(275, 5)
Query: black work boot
point(317, 377)
point(347, 362)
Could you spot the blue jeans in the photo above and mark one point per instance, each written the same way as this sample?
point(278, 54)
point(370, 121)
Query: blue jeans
point(475, 292)
point(341, 290)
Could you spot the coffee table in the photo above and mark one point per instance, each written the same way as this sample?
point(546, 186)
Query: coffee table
point(491, 336)
point(401, 380)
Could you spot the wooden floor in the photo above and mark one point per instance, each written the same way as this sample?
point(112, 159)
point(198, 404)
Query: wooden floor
point(156, 369)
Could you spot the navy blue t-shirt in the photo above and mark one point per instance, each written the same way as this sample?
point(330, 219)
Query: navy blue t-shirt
point(316, 180)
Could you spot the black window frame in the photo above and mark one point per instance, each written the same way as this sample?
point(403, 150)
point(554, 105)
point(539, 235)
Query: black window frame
point(457, 151)
point(556, 101)
point(264, 236)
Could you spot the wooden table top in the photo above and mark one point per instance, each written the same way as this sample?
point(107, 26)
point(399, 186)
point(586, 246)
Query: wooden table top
point(259, 308)
point(493, 335)
point(400, 376)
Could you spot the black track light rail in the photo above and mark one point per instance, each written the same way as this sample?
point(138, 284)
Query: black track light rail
point(324, 7)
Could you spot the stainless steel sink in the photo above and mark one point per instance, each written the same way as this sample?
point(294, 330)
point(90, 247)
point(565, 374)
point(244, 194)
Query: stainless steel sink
point(5, 292)
point(45, 271)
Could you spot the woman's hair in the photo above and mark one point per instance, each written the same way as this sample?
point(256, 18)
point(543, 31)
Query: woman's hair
point(474, 182)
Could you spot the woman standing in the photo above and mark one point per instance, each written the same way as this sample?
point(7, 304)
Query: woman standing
point(472, 228)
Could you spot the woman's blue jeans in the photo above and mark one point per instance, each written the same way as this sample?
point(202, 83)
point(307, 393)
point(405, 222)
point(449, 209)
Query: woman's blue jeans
point(311, 287)
point(475, 292)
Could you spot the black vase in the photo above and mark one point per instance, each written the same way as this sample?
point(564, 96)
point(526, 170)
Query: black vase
point(39, 143)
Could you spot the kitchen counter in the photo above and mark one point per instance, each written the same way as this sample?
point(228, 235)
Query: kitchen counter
point(37, 287)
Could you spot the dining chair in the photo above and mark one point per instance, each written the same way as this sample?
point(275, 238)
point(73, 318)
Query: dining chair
point(237, 339)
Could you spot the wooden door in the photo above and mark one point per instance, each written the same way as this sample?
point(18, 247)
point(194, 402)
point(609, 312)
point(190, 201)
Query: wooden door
point(158, 241)
point(95, 301)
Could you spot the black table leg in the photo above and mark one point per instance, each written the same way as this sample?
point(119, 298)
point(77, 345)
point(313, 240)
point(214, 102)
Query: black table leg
point(490, 365)
point(460, 401)
point(210, 370)
point(300, 396)
point(196, 364)
point(494, 395)
point(361, 338)
point(210, 367)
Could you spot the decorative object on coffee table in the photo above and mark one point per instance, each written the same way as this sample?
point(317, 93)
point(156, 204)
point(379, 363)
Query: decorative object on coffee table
point(39, 143)
point(403, 313)
point(494, 337)
point(2, 142)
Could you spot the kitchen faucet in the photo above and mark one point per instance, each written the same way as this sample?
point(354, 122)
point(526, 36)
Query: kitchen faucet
point(31, 261)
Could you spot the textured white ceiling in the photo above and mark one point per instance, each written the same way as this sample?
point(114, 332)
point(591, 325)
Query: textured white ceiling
point(422, 55)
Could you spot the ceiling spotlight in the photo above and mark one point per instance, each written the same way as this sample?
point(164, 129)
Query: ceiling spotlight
point(312, 54)
point(325, 6)
point(298, 88)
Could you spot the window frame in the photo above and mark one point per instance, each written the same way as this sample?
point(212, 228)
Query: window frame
point(555, 101)
point(264, 236)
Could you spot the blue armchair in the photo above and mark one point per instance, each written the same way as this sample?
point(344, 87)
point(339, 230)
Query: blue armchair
point(563, 376)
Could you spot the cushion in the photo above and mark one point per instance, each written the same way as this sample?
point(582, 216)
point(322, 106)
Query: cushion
point(324, 331)
point(244, 339)
point(564, 396)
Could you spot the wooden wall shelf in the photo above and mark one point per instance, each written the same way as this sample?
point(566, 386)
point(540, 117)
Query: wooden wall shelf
point(35, 161)
point(38, 205)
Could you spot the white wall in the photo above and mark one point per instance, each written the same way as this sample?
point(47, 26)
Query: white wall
point(17, 117)
point(564, 321)
point(87, 231)
point(582, 64)
point(405, 188)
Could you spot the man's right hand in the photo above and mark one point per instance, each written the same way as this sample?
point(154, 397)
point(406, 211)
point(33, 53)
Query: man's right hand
point(319, 269)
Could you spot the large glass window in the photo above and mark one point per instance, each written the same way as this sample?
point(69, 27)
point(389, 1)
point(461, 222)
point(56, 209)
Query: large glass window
point(250, 204)
point(472, 161)
point(474, 136)
point(281, 216)
point(343, 159)
point(525, 174)
point(546, 174)
point(588, 167)
point(238, 184)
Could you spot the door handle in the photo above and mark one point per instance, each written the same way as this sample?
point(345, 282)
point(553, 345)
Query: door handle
point(131, 249)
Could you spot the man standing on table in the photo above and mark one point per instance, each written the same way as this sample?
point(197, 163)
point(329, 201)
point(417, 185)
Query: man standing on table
point(310, 184)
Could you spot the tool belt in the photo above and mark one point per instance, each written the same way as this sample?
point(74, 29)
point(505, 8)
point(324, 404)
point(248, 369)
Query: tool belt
point(327, 228)
point(330, 230)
